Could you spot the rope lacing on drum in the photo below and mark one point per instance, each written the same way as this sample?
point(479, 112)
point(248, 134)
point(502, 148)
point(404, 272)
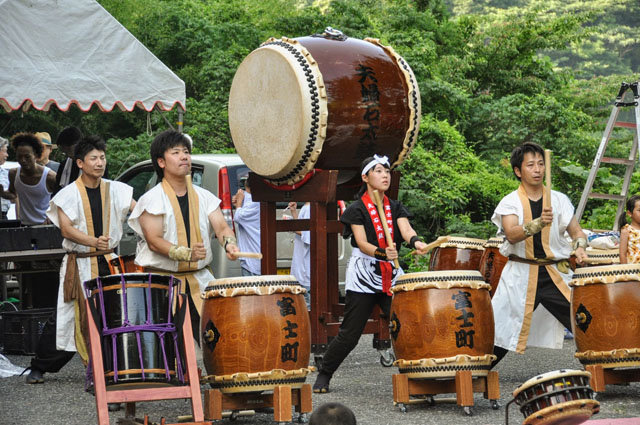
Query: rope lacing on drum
point(160, 329)
point(315, 114)
point(413, 135)
point(253, 284)
point(449, 368)
point(440, 278)
point(609, 360)
point(601, 273)
point(256, 383)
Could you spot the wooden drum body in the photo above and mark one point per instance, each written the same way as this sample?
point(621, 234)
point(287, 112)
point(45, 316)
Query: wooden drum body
point(324, 101)
point(256, 333)
point(492, 263)
point(561, 397)
point(442, 322)
point(134, 317)
point(457, 254)
point(605, 308)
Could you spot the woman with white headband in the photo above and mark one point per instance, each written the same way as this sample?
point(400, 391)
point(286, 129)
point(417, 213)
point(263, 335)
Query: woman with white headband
point(370, 273)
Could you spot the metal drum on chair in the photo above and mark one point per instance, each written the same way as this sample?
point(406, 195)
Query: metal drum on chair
point(441, 323)
point(255, 333)
point(324, 101)
point(560, 397)
point(605, 308)
point(135, 320)
point(457, 253)
point(492, 263)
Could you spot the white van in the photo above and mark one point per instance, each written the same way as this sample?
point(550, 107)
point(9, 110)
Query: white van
point(220, 174)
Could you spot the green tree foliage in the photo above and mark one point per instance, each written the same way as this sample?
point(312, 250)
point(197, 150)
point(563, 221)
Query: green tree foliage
point(492, 74)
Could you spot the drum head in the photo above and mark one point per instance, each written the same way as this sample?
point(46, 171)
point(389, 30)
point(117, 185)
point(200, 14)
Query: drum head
point(444, 279)
point(276, 108)
point(464, 243)
point(606, 274)
point(555, 374)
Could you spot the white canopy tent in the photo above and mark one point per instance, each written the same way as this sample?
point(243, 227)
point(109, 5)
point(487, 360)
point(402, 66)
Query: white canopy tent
point(64, 52)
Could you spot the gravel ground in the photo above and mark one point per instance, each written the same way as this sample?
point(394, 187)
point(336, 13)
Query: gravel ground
point(361, 383)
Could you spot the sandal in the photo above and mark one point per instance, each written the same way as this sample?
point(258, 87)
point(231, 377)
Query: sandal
point(322, 383)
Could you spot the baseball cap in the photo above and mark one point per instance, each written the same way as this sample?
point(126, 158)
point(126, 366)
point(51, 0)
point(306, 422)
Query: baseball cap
point(45, 139)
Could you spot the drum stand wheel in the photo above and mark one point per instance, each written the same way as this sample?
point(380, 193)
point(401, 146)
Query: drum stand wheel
point(387, 357)
point(464, 384)
point(601, 376)
point(281, 400)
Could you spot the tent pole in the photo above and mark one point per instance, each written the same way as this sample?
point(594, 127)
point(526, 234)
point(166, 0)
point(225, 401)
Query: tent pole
point(180, 118)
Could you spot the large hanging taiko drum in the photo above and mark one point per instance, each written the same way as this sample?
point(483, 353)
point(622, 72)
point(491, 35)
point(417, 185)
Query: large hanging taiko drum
point(442, 322)
point(324, 101)
point(605, 308)
point(256, 333)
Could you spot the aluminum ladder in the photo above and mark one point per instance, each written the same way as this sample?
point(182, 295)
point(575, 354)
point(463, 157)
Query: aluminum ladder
point(629, 162)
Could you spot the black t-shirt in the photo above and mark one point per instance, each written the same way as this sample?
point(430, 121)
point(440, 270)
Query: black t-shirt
point(183, 201)
point(536, 211)
point(357, 213)
point(95, 204)
point(95, 201)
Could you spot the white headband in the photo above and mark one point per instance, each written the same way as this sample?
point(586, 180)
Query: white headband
point(382, 160)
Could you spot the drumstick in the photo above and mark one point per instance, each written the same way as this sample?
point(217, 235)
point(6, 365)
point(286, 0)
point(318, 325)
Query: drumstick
point(434, 244)
point(385, 226)
point(247, 255)
point(547, 172)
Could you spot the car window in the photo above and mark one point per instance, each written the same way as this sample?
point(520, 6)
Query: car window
point(196, 175)
point(236, 173)
point(140, 180)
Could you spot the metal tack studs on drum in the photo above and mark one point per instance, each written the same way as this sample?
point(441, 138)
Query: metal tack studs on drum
point(560, 397)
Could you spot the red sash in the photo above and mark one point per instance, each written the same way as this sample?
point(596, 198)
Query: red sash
point(385, 267)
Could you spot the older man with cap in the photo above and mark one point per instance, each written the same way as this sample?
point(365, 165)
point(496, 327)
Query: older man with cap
point(47, 147)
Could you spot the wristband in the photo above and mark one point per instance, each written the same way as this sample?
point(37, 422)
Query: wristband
point(180, 253)
point(229, 240)
point(413, 240)
point(579, 243)
point(380, 254)
point(533, 227)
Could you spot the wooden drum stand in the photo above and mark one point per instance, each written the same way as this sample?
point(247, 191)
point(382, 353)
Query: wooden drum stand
point(322, 191)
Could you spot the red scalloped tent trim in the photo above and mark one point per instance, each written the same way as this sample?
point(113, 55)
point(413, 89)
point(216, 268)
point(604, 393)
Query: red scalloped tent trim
point(51, 102)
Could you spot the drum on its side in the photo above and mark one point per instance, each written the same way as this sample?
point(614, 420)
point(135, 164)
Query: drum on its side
point(492, 263)
point(605, 309)
point(442, 322)
point(255, 333)
point(324, 101)
point(139, 338)
point(457, 254)
point(560, 397)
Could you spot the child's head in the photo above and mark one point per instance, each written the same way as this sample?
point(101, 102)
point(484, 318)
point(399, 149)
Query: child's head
point(632, 205)
point(332, 414)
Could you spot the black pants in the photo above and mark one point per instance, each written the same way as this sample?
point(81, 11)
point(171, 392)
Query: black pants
point(547, 294)
point(357, 310)
point(48, 358)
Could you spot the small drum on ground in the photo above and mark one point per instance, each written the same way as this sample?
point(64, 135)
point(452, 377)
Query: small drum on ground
point(605, 309)
point(324, 101)
point(492, 263)
point(442, 322)
point(561, 397)
point(457, 253)
point(135, 320)
point(124, 264)
point(256, 333)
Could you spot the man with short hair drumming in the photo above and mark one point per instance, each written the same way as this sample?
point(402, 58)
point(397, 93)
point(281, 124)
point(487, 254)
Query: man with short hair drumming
point(176, 221)
point(537, 271)
point(90, 213)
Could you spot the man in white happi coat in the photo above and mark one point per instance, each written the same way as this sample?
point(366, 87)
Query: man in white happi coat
point(90, 213)
point(247, 220)
point(176, 221)
point(533, 290)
